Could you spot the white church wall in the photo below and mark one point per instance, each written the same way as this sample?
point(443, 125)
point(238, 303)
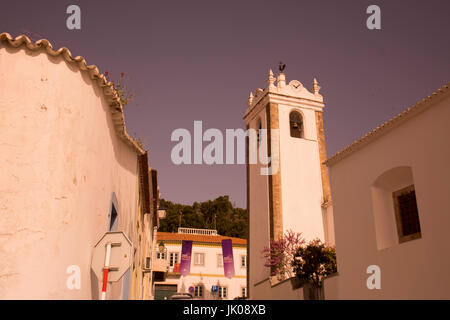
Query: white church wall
point(301, 177)
point(415, 269)
point(328, 225)
point(331, 288)
point(280, 291)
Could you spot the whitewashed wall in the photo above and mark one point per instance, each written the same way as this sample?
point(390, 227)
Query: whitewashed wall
point(60, 162)
point(300, 176)
point(210, 273)
point(416, 269)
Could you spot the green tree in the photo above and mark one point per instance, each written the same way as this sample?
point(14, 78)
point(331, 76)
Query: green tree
point(219, 214)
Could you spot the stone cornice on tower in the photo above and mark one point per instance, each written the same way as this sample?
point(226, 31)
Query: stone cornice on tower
point(277, 91)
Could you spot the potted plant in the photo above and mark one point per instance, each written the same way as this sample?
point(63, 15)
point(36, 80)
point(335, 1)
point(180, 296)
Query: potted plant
point(312, 263)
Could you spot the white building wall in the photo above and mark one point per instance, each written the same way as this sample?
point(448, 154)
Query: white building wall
point(60, 162)
point(328, 225)
point(280, 291)
point(210, 273)
point(301, 182)
point(416, 269)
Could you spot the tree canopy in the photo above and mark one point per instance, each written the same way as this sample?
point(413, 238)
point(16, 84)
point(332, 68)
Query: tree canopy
point(219, 214)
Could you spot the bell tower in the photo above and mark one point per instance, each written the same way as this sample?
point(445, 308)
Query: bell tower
point(296, 194)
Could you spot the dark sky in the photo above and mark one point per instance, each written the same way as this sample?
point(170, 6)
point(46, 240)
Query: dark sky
point(198, 60)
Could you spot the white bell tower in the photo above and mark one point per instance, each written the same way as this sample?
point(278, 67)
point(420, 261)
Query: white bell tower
point(297, 195)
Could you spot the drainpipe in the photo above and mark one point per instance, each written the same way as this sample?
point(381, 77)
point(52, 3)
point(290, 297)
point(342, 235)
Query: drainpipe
point(155, 232)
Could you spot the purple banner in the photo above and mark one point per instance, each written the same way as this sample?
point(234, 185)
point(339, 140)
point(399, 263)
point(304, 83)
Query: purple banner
point(228, 262)
point(186, 252)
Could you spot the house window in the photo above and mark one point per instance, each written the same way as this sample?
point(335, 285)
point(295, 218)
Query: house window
point(243, 261)
point(223, 292)
point(173, 258)
point(387, 209)
point(161, 255)
point(198, 291)
point(296, 124)
point(219, 260)
point(244, 292)
point(406, 213)
point(199, 259)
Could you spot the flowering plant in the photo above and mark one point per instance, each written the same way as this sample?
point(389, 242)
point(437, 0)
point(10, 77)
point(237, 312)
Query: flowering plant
point(280, 254)
point(314, 262)
point(124, 94)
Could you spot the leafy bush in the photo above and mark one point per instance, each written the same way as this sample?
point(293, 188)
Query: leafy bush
point(290, 257)
point(314, 262)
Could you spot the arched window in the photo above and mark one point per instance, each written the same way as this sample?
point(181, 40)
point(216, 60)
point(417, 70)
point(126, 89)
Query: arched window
point(395, 207)
point(296, 124)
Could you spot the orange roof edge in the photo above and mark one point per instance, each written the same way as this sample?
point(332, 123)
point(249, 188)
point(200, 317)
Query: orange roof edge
point(198, 238)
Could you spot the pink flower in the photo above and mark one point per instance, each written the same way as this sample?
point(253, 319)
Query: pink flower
point(106, 73)
point(122, 74)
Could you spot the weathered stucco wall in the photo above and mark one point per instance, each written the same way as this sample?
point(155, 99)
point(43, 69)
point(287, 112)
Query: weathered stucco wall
point(281, 291)
point(60, 162)
point(416, 269)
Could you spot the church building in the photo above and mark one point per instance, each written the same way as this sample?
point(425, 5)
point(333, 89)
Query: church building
point(296, 194)
point(385, 211)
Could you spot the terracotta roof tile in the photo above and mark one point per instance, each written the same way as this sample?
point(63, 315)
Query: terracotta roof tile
point(107, 87)
point(167, 236)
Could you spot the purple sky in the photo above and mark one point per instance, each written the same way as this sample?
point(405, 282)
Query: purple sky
point(198, 60)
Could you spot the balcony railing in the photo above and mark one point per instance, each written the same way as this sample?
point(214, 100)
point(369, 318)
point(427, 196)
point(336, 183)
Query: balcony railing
point(204, 232)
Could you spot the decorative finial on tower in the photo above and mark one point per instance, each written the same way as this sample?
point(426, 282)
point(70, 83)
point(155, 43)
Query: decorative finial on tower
point(271, 80)
point(316, 87)
point(281, 79)
point(250, 99)
point(281, 66)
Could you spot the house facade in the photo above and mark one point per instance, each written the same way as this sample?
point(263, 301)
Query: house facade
point(69, 173)
point(206, 280)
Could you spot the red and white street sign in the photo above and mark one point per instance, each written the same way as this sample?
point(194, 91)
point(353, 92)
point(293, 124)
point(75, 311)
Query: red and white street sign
point(111, 257)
